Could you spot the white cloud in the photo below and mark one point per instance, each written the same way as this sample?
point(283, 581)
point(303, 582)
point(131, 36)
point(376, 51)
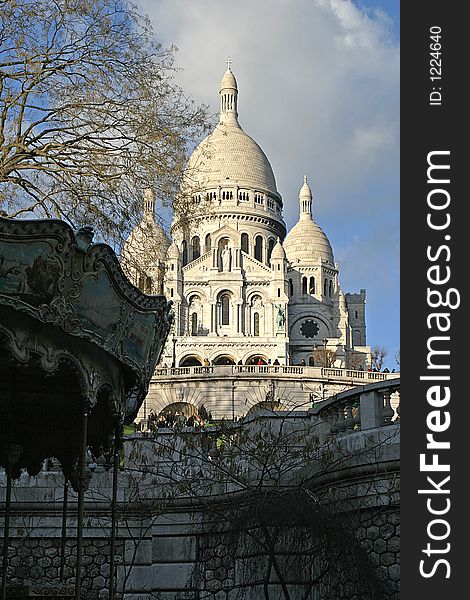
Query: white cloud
point(318, 83)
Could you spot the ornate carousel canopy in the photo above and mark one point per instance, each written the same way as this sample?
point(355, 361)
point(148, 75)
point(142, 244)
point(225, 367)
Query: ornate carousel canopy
point(75, 337)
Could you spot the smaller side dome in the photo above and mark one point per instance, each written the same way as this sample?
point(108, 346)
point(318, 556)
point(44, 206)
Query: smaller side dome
point(278, 251)
point(148, 242)
point(173, 251)
point(306, 242)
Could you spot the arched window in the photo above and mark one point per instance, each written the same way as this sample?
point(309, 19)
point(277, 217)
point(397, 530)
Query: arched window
point(304, 285)
point(225, 309)
point(245, 243)
point(259, 248)
point(311, 289)
point(271, 244)
point(148, 285)
point(207, 242)
point(278, 292)
point(256, 324)
point(196, 247)
point(291, 287)
point(185, 253)
point(311, 362)
point(324, 288)
point(194, 323)
point(330, 288)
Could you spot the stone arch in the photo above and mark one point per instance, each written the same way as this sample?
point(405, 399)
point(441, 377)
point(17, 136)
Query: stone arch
point(258, 248)
point(226, 233)
point(200, 295)
point(184, 252)
point(194, 312)
point(271, 244)
point(183, 408)
point(254, 358)
point(312, 285)
point(195, 247)
point(245, 242)
point(295, 325)
point(223, 243)
point(268, 405)
point(224, 359)
point(190, 360)
point(225, 307)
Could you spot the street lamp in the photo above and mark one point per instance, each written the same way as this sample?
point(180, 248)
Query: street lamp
point(173, 361)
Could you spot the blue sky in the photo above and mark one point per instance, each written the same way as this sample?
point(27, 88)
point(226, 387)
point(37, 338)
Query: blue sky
point(319, 91)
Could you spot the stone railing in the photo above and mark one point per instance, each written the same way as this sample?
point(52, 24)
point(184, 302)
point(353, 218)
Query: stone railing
point(311, 372)
point(359, 409)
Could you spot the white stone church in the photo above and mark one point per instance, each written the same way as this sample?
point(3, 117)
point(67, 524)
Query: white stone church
point(244, 292)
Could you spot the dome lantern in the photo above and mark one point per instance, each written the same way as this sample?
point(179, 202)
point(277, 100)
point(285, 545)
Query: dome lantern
point(149, 204)
point(228, 97)
point(305, 198)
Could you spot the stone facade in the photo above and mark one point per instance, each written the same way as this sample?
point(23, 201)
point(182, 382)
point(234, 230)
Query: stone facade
point(243, 290)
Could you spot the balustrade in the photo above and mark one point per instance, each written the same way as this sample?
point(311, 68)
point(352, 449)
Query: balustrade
point(366, 409)
point(313, 372)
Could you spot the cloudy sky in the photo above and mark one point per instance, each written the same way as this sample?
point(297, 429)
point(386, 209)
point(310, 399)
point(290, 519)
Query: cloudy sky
point(319, 91)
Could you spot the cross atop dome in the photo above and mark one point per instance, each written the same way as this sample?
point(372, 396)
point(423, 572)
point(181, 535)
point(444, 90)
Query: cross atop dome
point(229, 62)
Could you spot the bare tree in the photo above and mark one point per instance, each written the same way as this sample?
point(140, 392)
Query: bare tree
point(90, 114)
point(356, 360)
point(254, 480)
point(322, 357)
point(397, 357)
point(377, 357)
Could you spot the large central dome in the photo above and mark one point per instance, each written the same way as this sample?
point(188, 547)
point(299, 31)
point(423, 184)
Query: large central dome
point(228, 156)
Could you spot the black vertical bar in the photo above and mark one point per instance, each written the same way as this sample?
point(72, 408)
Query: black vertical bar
point(81, 498)
point(434, 355)
point(112, 558)
point(64, 529)
point(6, 533)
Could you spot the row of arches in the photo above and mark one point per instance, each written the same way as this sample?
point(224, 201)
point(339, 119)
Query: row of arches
point(259, 198)
point(194, 360)
point(226, 314)
point(188, 410)
point(256, 246)
point(309, 286)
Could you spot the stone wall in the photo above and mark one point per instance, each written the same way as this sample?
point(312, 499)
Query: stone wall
point(199, 554)
point(37, 560)
point(335, 519)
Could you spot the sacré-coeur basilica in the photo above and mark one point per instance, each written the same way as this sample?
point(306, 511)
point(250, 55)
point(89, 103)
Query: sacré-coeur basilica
point(245, 291)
